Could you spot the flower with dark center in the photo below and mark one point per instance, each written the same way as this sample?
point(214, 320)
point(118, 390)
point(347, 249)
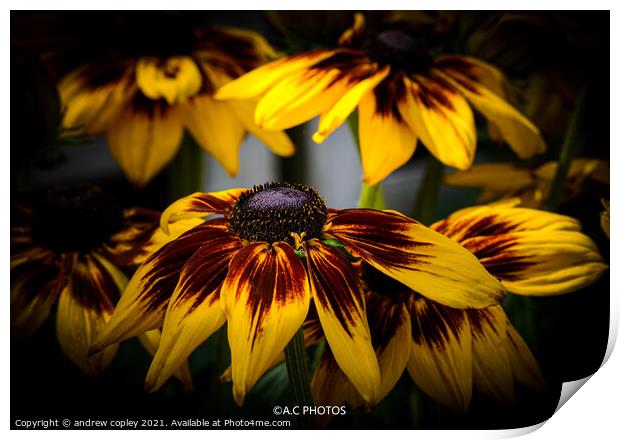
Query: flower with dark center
point(273, 250)
point(402, 92)
point(147, 89)
point(449, 351)
point(72, 247)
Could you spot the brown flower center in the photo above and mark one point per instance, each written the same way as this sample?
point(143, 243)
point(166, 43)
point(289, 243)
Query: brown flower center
point(75, 217)
point(398, 49)
point(272, 212)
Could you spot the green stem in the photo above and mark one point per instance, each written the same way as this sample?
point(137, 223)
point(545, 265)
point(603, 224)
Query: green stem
point(566, 154)
point(371, 196)
point(293, 169)
point(187, 169)
point(297, 368)
point(425, 206)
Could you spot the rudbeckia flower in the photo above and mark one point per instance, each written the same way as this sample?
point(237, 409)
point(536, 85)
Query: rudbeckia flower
point(403, 94)
point(144, 101)
point(448, 351)
point(71, 248)
point(530, 184)
point(275, 249)
point(605, 216)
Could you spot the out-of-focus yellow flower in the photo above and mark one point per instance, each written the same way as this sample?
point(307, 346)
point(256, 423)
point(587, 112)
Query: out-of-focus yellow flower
point(144, 102)
point(530, 184)
point(403, 94)
point(72, 248)
point(275, 250)
point(605, 216)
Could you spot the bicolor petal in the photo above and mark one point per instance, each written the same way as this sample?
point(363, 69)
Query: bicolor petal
point(266, 299)
point(194, 312)
point(341, 308)
point(200, 205)
point(381, 124)
point(441, 354)
point(144, 301)
point(417, 256)
point(442, 119)
point(144, 137)
point(84, 307)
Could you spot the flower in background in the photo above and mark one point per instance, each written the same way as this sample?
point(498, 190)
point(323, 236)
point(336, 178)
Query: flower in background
point(71, 248)
point(449, 351)
point(530, 184)
point(144, 95)
point(247, 269)
point(605, 216)
point(402, 94)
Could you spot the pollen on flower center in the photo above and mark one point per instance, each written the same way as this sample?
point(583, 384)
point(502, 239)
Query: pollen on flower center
point(273, 211)
point(75, 217)
point(398, 49)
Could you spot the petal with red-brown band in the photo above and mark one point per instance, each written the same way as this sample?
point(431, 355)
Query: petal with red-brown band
point(499, 219)
point(143, 304)
point(390, 327)
point(330, 386)
point(84, 307)
point(525, 369)
point(144, 137)
point(420, 258)
point(381, 124)
point(340, 304)
point(441, 118)
point(441, 353)
point(194, 312)
point(35, 287)
point(266, 298)
point(481, 84)
point(199, 205)
point(492, 370)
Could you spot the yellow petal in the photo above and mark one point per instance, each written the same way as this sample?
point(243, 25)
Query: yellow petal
point(194, 312)
point(390, 327)
point(259, 80)
point(174, 78)
point(266, 298)
point(532, 252)
point(417, 256)
point(341, 308)
point(150, 341)
point(442, 120)
point(354, 33)
point(90, 108)
point(144, 301)
point(216, 128)
point(330, 386)
point(35, 287)
point(200, 205)
point(522, 362)
point(516, 129)
point(277, 141)
point(386, 142)
point(492, 370)
point(496, 179)
point(144, 139)
point(441, 358)
point(84, 307)
point(333, 118)
point(160, 238)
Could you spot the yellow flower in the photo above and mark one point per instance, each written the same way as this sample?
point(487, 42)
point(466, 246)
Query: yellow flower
point(247, 268)
point(401, 92)
point(71, 248)
point(448, 351)
point(143, 103)
point(530, 184)
point(605, 216)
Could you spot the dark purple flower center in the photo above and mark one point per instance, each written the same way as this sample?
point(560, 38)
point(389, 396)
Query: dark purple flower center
point(273, 211)
point(75, 218)
point(398, 49)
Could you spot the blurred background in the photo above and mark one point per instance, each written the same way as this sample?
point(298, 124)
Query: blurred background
point(549, 56)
